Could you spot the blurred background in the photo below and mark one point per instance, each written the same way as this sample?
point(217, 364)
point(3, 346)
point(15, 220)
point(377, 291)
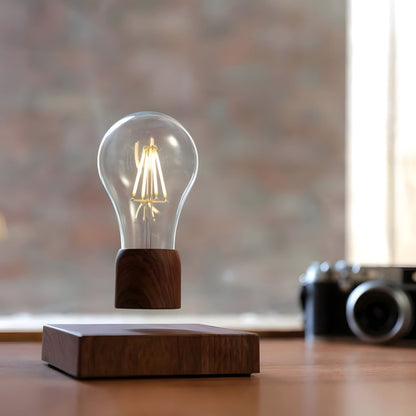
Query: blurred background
point(259, 85)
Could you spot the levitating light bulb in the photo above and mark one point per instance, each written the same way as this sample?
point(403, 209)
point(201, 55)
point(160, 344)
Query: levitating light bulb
point(148, 163)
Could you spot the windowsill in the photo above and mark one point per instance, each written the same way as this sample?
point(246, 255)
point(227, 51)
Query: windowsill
point(14, 327)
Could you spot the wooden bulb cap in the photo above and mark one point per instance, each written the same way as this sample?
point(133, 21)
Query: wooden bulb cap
point(148, 279)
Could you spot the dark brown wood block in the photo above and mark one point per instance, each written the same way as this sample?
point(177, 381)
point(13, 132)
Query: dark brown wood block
point(98, 351)
point(148, 279)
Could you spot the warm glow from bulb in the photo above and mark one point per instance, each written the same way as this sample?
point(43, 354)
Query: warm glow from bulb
point(149, 173)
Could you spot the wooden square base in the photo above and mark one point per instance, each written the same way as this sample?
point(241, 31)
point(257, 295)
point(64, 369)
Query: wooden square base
point(99, 351)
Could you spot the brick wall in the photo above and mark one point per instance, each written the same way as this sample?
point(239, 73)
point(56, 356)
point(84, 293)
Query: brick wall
point(260, 87)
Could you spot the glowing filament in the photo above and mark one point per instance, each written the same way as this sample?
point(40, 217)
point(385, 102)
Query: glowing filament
point(149, 175)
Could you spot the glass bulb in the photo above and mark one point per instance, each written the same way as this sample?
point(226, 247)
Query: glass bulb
point(148, 163)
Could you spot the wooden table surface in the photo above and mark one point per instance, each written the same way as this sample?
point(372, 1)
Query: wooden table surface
point(297, 378)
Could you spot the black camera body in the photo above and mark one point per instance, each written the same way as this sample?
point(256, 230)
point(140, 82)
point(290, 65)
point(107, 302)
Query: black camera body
point(375, 304)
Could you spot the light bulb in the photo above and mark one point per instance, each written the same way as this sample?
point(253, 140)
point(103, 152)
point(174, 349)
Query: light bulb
point(147, 163)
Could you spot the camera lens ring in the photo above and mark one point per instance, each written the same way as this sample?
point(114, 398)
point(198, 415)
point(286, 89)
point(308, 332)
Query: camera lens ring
point(401, 300)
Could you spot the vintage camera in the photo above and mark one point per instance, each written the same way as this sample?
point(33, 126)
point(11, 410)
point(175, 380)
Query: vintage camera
point(376, 304)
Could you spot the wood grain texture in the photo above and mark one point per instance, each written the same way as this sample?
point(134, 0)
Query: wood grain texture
point(21, 336)
point(91, 351)
point(148, 279)
point(297, 378)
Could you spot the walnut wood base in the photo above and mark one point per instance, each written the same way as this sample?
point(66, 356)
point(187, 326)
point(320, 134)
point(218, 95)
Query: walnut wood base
point(148, 279)
point(103, 351)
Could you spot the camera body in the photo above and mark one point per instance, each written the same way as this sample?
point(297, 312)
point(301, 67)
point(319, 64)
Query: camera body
point(375, 304)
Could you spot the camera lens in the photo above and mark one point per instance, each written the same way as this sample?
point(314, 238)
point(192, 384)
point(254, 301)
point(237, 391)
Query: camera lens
point(378, 312)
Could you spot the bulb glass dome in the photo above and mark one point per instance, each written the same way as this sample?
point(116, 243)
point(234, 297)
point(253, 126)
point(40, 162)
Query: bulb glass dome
point(148, 163)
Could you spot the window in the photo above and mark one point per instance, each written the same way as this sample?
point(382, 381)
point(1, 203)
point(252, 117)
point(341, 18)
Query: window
point(381, 134)
point(260, 87)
